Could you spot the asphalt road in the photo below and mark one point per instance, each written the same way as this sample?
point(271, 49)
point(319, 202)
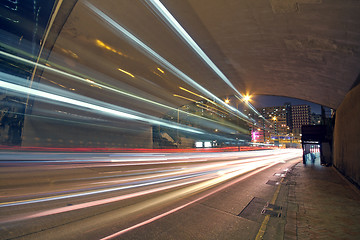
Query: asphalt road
point(138, 196)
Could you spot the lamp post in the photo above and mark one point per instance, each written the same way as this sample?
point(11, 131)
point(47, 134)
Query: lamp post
point(276, 142)
point(264, 130)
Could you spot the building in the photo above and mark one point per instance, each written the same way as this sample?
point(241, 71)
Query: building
point(300, 116)
point(280, 117)
point(315, 119)
point(286, 122)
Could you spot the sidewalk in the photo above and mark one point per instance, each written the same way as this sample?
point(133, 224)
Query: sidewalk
point(321, 204)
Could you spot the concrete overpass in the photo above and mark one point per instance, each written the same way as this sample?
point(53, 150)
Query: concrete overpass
point(306, 49)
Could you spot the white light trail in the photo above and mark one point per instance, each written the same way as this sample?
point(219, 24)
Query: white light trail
point(223, 165)
point(89, 106)
point(93, 203)
point(82, 194)
point(194, 189)
point(161, 10)
point(104, 86)
point(146, 49)
point(177, 183)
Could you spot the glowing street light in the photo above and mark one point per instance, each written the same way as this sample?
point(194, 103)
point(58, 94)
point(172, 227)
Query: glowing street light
point(227, 101)
point(247, 98)
point(276, 135)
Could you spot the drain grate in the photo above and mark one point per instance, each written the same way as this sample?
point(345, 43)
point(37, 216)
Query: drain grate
point(253, 209)
point(272, 210)
point(282, 174)
point(258, 207)
point(271, 182)
point(271, 213)
point(272, 206)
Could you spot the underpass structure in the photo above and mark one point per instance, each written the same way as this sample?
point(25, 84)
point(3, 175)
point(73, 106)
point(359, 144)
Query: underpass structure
point(153, 74)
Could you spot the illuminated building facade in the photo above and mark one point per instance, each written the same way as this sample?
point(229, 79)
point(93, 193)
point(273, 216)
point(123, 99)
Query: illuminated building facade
point(300, 116)
point(286, 122)
point(279, 117)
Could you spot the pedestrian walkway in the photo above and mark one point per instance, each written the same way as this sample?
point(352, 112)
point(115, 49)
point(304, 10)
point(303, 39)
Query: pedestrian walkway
point(321, 204)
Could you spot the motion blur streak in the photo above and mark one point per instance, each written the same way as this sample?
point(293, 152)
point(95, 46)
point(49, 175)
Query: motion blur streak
point(127, 190)
point(187, 204)
point(22, 217)
point(86, 105)
point(146, 49)
point(161, 10)
point(95, 82)
point(7, 204)
point(182, 174)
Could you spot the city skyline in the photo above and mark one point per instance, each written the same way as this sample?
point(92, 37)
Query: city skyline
point(260, 101)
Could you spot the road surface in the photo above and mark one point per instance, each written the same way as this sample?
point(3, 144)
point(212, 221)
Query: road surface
point(136, 195)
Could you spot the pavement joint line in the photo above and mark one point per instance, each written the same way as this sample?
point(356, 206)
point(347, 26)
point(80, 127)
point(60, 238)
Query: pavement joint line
point(263, 226)
point(216, 209)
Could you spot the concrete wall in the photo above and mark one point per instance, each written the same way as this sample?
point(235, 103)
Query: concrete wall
point(347, 136)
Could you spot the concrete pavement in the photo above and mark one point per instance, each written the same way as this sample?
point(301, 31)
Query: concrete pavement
point(320, 204)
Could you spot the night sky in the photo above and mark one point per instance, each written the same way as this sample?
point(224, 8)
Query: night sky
point(271, 101)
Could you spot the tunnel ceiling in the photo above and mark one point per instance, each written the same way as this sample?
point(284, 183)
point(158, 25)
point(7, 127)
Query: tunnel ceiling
point(306, 49)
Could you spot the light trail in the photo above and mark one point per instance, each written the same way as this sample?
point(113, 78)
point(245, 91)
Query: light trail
point(22, 217)
point(221, 165)
point(82, 194)
point(162, 61)
point(129, 182)
point(184, 205)
point(168, 18)
point(86, 105)
point(126, 72)
point(97, 83)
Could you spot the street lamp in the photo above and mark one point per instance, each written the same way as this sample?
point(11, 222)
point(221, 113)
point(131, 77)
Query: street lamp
point(247, 98)
point(275, 119)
